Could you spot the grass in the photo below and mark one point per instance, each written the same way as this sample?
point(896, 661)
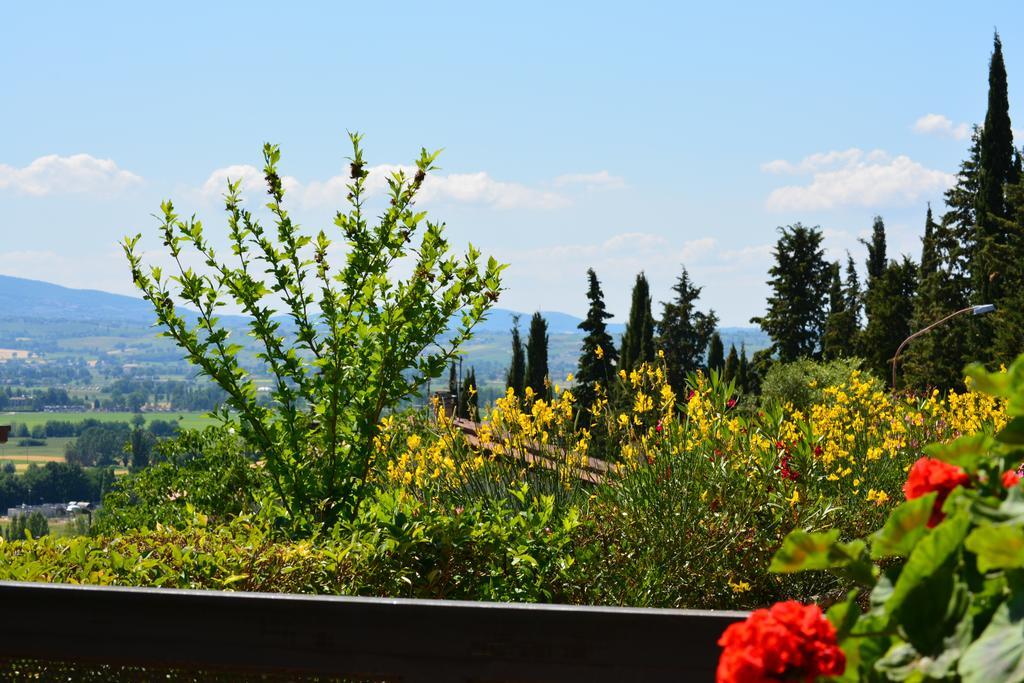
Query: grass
point(187, 420)
point(23, 456)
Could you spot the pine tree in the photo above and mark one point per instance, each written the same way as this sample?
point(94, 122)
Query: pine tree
point(800, 281)
point(877, 261)
point(598, 355)
point(683, 333)
point(516, 377)
point(731, 366)
point(537, 357)
point(638, 339)
point(453, 382)
point(716, 353)
point(992, 261)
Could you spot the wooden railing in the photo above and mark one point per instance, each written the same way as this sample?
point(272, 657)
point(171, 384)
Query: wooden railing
point(234, 636)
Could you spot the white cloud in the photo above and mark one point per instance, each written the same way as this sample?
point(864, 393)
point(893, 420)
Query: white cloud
point(78, 173)
point(466, 188)
point(602, 180)
point(937, 124)
point(855, 178)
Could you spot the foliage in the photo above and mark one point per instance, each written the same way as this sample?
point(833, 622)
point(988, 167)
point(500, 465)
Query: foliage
point(516, 378)
point(842, 326)
point(800, 278)
point(803, 383)
point(359, 340)
point(598, 355)
point(208, 472)
point(537, 356)
point(943, 573)
point(683, 332)
point(890, 306)
point(638, 339)
point(716, 354)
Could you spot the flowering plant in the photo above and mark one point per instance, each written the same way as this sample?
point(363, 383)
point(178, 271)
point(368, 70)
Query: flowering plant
point(941, 592)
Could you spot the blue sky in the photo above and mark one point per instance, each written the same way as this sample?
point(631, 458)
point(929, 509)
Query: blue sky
point(622, 137)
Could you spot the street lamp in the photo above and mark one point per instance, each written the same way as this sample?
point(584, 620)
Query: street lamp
point(980, 309)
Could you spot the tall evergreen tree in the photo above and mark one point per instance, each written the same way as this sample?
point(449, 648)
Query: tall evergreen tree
point(453, 382)
point(731, 367)
point(537, 357)
point(890, 304)
point(716, 353)
point(991, 259)
point(877, 260)
point(743, 370)
point(840, 335)
point(800, 281)
point(1008, 319)
point(598, 355)
point(638, 339)
point(516, 377)
point(937, 358)
point(684, 333)
point(469, 400)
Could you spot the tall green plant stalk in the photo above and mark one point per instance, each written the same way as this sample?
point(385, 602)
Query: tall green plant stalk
point(362, 339)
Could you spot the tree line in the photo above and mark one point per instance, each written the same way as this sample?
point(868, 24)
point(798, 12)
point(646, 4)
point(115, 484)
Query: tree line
point(972, 254)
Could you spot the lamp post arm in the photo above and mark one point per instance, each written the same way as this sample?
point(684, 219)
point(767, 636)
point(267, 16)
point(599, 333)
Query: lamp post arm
point(919, 333)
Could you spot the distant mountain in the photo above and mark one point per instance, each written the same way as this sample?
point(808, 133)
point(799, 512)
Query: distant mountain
point(500, 320)
point(36, 299)
point(47, 305)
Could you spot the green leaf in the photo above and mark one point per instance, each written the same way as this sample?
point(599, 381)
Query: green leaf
point(932, 552)
point(843, 615)
point(991, 383)
point(1013, 432)
point(998, 653)
point(803, 551)
point(997, 547)
point(966, 451)
point(906, 525)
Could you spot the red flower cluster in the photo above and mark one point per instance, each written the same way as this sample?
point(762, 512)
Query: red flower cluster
point(1011, 478)
point(927, 475)
point(788, 642)
point(785, 471)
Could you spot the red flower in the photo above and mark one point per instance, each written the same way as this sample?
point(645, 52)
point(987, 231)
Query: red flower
point(657, 427)
point(818, 450)
point(786, 642)
point(929, 475)
point(1010, 478)
point(785, 471)
point(731, 403)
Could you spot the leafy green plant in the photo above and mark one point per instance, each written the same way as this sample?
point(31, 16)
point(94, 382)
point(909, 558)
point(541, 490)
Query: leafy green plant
point(357, 342)
point(945, 574)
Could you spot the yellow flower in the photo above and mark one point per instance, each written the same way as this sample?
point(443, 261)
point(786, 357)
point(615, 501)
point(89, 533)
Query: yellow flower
point(795, 498)
point(661, 353)
point(623, 420)
point(413, 442)
point(599, 352)
point(739, 586)
point(877, 497)
point(569, 378)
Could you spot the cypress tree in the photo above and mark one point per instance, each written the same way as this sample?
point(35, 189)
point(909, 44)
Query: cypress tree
point(469, 401)
point(876, 262)
point(516, 377)
point(598, 355)
point(841, 325)
point(743, 370)
point(638, 339)
point(537, 357)
point(731, 366)
point(1008, 319)
point(991, 260)
point(891, 306)
point(683, 333)
point(716, 353)
point(800, 281)
point(937, 358)
point(453, 382)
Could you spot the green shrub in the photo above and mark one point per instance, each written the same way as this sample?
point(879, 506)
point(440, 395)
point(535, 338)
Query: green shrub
point(361, 341)
point(802, 382)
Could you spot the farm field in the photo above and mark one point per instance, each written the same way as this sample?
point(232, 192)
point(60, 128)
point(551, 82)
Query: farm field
point(23, 456)
point(186, 420)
